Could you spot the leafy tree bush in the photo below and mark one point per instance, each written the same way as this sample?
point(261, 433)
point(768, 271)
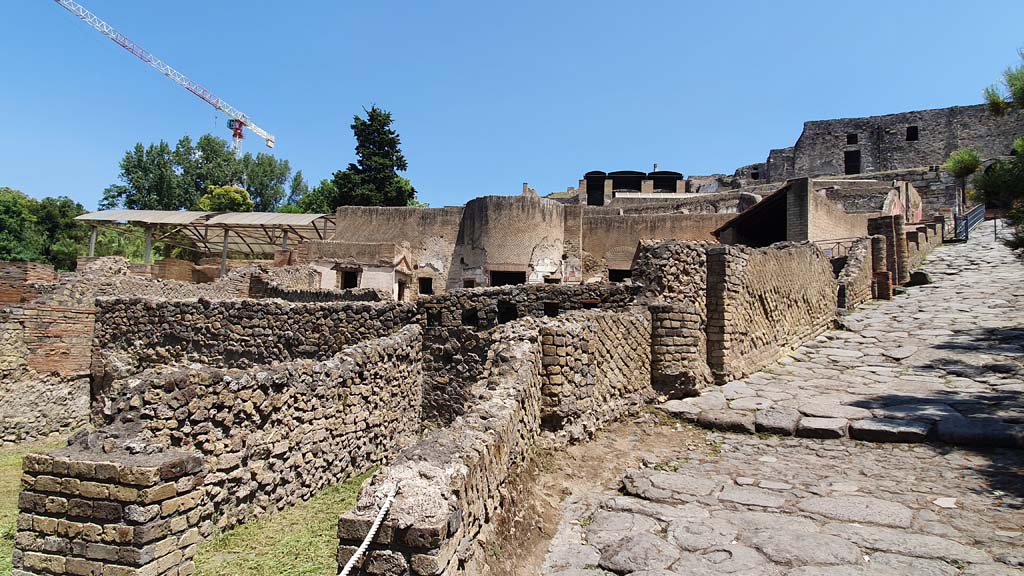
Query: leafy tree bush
point(1010, 96)
point(156, 177)
point(21, 238)
point(225, 199)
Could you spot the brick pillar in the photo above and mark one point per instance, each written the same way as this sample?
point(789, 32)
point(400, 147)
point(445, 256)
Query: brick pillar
point(87, 513)
point(679, 364)
point(891, 227)
point(883, 285)
point(902, 253)
point(878, 254)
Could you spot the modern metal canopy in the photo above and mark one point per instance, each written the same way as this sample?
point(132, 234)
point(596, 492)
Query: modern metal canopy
point(251, 233)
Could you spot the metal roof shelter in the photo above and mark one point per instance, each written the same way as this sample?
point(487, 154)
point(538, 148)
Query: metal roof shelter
point(252, 233)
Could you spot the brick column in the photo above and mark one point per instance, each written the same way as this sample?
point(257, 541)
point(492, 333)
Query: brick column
point(679, 364)
point(88, 513)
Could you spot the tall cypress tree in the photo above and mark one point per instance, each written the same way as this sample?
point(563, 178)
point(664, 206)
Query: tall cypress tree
point(373, 179)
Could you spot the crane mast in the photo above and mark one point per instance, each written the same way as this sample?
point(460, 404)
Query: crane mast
point(238, 120)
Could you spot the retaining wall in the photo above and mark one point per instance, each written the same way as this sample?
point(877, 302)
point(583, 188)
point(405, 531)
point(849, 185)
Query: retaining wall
point(458, 482)
point(856, 277)
point(763, 302)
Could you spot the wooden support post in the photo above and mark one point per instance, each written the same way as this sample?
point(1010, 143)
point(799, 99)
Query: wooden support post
point(284, 240)
point(224, 255)
point(92, 242)
point(148, 257)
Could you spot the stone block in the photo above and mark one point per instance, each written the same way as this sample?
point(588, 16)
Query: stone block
point(810, 427)
point(886, 430)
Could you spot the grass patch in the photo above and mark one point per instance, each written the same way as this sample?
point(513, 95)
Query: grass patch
point(299, 541)
point(10, 485)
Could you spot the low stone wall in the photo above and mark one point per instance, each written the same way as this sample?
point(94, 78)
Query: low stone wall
point(86, 512)
point(455, 480)
point(856, 276)
point(36, 405)
point(132, 333)
point(763, 302)
point(192, 451)
point(596, 366)
point(261, 286)
point(922, 238)
point(456, 483)
point(455, 340)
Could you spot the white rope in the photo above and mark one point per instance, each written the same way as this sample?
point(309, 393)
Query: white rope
point(372, 533)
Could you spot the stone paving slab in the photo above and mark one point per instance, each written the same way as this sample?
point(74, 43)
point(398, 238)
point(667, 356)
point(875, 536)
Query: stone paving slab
point(944, 357)
point(781, 506)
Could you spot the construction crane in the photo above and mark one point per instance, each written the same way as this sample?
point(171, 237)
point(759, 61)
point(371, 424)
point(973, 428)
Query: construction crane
point(238, 119)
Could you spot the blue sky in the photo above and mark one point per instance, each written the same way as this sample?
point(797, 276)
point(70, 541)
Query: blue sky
point(485, 95)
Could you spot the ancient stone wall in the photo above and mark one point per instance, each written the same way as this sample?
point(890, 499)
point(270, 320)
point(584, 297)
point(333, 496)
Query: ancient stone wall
point(89, 512)
point(196, 450)
point(595, 367)
point(921, 239)
point(856, 276)
point(763, 302)
point(612, 240)
point(884, 142)
point(36, 404)
point(672, 277)
point(936, 186)
point(520, 234)
point(261, 286)
point(455, 341)
point(16, 279)
point(457, 483)
point(132, 333)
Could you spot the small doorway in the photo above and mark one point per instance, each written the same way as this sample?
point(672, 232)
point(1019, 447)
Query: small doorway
point(851, 162)
point(348, 278)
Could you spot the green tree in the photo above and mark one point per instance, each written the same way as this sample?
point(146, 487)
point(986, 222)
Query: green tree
point(1001, 184)
point(150, 181)
point(65, 237)
point(1010, 96)
point(322, 199)
point(961, 164)
point(21, 238)
point(210, 162)
point(373, 179)
point(297, 190)
point(225, 199)
point(265, 177)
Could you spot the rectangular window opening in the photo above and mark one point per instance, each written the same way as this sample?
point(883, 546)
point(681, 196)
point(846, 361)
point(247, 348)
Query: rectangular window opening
point(912, 134)
point(619, 275)
point(503, 278)
point(851, 138)
point(469, 283)
point(551, 309)
point(426, 286)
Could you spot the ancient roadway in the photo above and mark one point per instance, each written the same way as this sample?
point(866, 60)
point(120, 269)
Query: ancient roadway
point(937, 368)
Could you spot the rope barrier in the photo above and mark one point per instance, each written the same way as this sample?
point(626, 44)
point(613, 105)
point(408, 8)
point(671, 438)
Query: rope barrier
point(372, 533)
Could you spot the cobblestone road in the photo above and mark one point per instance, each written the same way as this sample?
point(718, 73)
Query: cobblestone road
point(941, 362)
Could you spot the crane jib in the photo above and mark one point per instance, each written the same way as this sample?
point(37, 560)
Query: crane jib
point(178, 78)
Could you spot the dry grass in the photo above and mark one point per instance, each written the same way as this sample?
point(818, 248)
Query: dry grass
point(299, 541)
point(10, 485)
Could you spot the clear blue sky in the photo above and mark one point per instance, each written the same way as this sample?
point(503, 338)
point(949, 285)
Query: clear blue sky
point(485, 95)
